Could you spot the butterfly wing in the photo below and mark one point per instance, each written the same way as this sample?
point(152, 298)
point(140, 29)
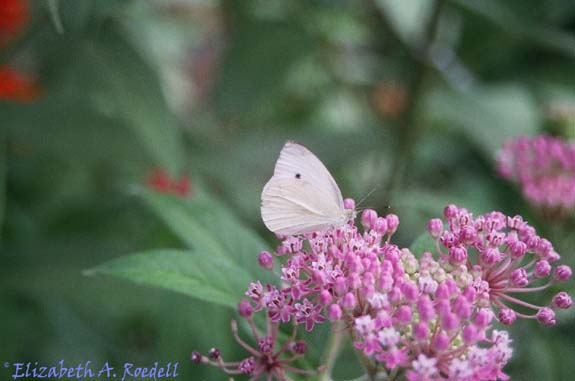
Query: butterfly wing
point(293, 206)
point(302, 196)
point(296, 159)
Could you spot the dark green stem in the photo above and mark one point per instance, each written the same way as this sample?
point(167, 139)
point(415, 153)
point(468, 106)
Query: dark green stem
point(408, 129)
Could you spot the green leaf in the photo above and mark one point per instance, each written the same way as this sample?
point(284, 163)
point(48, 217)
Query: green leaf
point(247, 83)
point(188, 272)
point(3, 159)
point(407, 18)
point(128, 87)
point(526, 28)
point(422, 244)
point(205, 225)
point(487, 115)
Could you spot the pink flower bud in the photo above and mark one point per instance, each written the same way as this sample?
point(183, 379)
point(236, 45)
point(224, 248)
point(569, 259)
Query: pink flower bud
point(469, 334)
point(483, 318)
point(443, 306)
point(440, 342)
point(392, 223)
point(245, 309)
point(562, 300)
point(470, 293)
point(196, 357)
point(546, 316)
point(340, 285)
point(462, 307)
point(542, 269)
point(553, 256)
point(425, 308)
point(215, 353)
point(354, 281)
point(349, 301)
point(247, 366)
point(491, 256)
point(448, 239)
point(435, 227)
point(442, 291)
point(563, 273)
point(450, 211)
point(507, 316)
point(265, 344)
point(515, 222)
point(403, 315)
point(517, 249)
point(325, 297)
point(368, 218)
point(334, 312)
point(519, 277)
point(544, 248)
point(349, 203)
point(468, 235)
point(458, 254)
point(381, 225)
point(450, 322)
point(299, 347)
point(410, 291)
point(421, 331)
point(394, 295)
point(266, 260)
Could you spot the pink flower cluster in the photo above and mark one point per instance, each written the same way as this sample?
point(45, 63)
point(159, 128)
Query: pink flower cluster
point(429, 318)
point(544, 168)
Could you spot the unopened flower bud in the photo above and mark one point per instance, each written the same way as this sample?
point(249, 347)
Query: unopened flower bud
point(507, 316)
point(435, 227)
point(562, 300)
point(546, 316)
point(196, 357)
point(266, 260)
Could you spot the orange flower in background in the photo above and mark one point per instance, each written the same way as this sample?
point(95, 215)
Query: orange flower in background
point(161, 181)
point(390, 99)
point(13, 16)
point(16, 86)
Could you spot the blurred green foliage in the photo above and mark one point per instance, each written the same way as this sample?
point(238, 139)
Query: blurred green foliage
point(213, 90)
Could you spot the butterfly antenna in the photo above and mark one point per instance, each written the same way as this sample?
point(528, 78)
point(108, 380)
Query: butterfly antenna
point(366, 196)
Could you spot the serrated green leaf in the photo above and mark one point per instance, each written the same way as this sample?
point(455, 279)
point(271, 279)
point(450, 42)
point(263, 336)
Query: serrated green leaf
point(188, 272)
point(423, 243)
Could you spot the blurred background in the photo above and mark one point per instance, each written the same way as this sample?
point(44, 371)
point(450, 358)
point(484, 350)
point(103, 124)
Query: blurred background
point(411, 98)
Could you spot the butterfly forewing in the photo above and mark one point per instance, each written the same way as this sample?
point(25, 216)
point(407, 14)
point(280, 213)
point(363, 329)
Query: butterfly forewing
point(296, 161)
point(302, 196)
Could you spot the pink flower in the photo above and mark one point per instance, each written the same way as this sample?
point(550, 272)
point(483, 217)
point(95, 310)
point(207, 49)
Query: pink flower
point(270, 359)
point(544, 168)
point(431, 319)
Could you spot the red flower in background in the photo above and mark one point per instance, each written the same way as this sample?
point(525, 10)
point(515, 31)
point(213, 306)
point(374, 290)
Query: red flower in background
point(16, 86)
point(13, 16)
point(161, 181)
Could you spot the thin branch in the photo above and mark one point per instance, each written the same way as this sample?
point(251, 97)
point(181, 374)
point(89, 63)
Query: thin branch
point(407, 124)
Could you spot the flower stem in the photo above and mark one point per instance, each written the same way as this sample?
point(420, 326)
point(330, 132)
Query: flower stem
point(332, 351)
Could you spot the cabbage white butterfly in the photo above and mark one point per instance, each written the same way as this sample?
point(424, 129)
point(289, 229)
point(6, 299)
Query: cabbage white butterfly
point(302, 196)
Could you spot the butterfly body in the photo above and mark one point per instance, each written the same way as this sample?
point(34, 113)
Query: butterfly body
point(302, 197)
